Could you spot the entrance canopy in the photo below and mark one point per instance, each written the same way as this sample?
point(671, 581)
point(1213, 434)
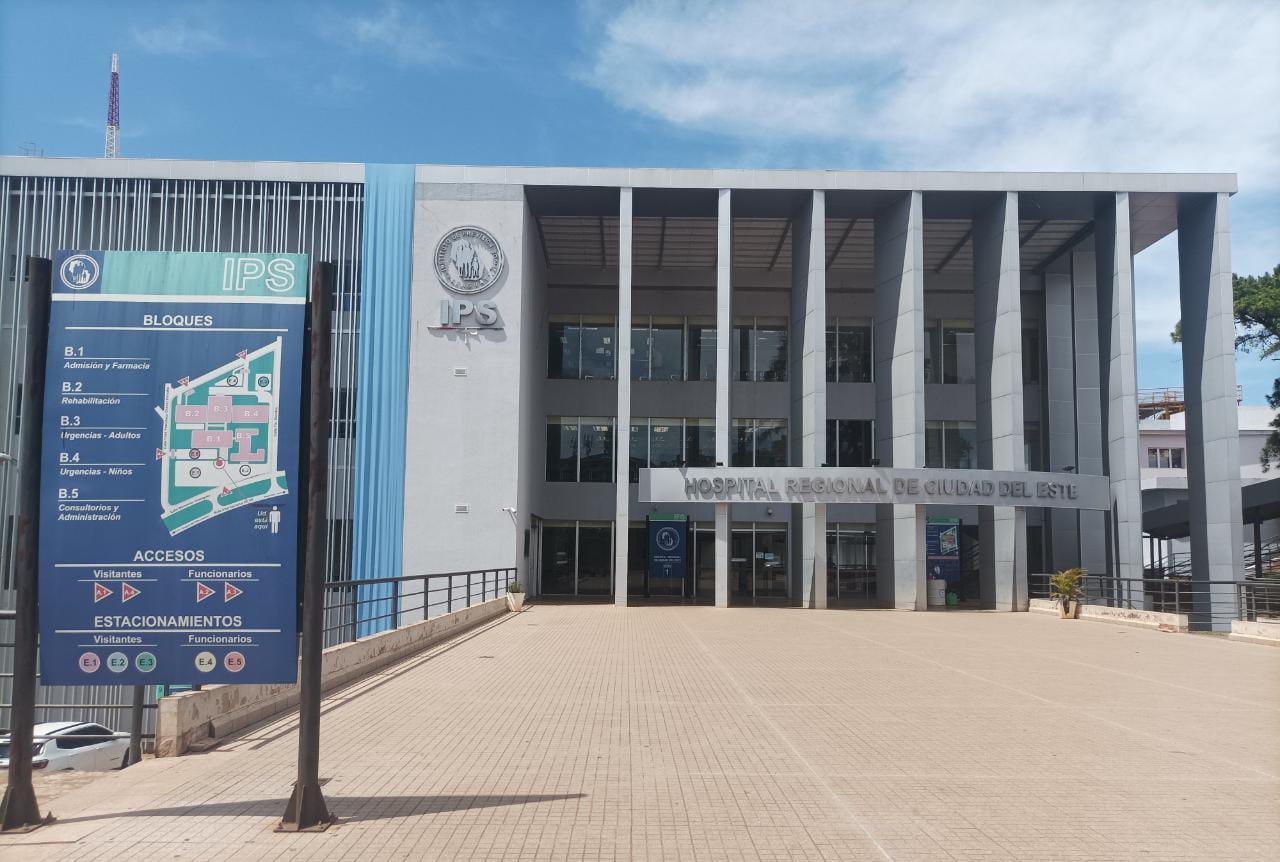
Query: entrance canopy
point(874, 485)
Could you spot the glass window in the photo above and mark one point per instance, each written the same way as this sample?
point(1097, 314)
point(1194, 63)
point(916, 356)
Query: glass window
point(933, 353)
point(595, 559)
point(702, 350)
point(666, 349)
point(640, 352)
point(665, 442)
point(958, 358)
point(933, 444)
point(559, 558)
point(849, 353)
point(853, 443)
point(759, 443)
point(771, 443)
point(1176, 461)
point(771, 562)
point(562, 449)
point(597, 349)
point(952, 445)
point(597, 450)
point(771, 352)
point(741, 351)
point(1030, 356)
point(1153, 457)
point(740, 445)
point(960, 446)
point(639, 449)
point(700, 442)
point(1031, 445)
point(564, 350)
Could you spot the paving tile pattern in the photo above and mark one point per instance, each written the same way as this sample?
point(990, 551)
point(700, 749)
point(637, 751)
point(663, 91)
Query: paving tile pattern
point(586, 732)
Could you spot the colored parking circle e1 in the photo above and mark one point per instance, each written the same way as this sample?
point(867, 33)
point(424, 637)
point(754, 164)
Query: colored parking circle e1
point(89, 662)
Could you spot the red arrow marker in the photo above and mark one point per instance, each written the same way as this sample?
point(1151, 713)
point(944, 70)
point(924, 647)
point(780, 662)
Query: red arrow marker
point(184, 380)
point(225, 492)
point(159, 454)
point(230, 591)
point(128, 591)
point(243, 354)
point(99, 592)
point(203, 592)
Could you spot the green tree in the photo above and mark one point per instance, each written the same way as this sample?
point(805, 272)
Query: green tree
point(1256, 301)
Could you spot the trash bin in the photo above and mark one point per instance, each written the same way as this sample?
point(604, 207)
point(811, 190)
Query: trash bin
point(937, 591)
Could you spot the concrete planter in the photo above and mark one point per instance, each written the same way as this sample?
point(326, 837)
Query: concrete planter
point(1069, 609)
point(515, 601)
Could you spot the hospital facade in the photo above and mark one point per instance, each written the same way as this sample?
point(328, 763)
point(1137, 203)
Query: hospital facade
point(524, 357)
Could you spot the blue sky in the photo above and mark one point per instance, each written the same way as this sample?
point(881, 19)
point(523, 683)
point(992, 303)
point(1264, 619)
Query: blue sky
point(1083, 85)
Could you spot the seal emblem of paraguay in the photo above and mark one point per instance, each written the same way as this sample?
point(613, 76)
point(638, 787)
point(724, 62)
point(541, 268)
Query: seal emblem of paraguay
point(468, 260)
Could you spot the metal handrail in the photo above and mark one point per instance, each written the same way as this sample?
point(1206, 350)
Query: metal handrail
point(1180, 593)
point(491, 584)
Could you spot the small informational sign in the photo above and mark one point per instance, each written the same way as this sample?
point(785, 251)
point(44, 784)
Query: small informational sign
point(668, 546)
point(169, 504)
point(942, 549)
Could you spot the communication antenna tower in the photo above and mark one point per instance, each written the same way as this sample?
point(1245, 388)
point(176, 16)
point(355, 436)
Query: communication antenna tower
point(112, 148)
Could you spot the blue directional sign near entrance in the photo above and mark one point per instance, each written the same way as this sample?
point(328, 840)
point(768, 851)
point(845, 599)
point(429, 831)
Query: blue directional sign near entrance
point(169, 504)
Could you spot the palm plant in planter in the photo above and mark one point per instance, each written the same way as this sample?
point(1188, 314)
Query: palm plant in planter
point(1067, 586)
point(515, 595)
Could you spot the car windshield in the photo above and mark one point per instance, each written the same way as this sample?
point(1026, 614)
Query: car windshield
point(4, 749)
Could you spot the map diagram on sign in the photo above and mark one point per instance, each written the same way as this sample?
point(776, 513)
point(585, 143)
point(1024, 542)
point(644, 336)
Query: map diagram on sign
point(220, 441)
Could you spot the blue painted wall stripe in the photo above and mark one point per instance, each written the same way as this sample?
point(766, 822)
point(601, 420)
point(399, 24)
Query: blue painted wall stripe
point(386, 271)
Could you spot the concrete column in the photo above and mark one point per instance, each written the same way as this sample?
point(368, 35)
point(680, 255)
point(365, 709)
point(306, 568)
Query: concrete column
point(1120, 394)
point(899, 382)
point(808, 431)
point(1089, 449)
point(724, 382)
point(997, 278)
point(1209, 380)
point(622, 424)
point(1058, 391)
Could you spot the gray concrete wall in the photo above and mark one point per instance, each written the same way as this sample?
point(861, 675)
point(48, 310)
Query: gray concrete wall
point(461, 427)
point(998, 341)
point(1117, 339)
point(808, 384)
point(899, 384)
point(1209, 378)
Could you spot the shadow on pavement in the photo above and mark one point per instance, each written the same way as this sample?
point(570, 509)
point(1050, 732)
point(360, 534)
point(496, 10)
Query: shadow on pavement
point(348, 809)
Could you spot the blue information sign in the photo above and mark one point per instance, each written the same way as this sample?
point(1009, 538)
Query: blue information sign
point(169, 508)
point(942, 549)
point(668, 539)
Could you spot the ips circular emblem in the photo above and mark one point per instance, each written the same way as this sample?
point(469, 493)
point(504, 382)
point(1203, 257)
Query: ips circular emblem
point(468, 260)
point(79, 272)
point(668, 538)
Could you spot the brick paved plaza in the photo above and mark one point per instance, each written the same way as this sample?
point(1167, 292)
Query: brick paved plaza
point(586, 732)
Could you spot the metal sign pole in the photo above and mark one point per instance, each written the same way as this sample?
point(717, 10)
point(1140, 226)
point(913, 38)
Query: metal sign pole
point(135, 724)
point(306, 809)
point(19, 811)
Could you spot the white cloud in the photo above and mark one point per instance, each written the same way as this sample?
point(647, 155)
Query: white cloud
point(179, 36)
point(400, 34)
point(1148, 85)
point(1046, 86)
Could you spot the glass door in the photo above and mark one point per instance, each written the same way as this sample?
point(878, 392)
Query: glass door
point(704, 561)
point(741, 564)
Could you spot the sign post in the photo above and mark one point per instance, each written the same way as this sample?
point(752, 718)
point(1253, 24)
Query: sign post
point(169, 508)
point(19, 810)
point(306, 809)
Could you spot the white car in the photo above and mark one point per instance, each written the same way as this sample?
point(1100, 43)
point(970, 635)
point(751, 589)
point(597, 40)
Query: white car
point(79, 745)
